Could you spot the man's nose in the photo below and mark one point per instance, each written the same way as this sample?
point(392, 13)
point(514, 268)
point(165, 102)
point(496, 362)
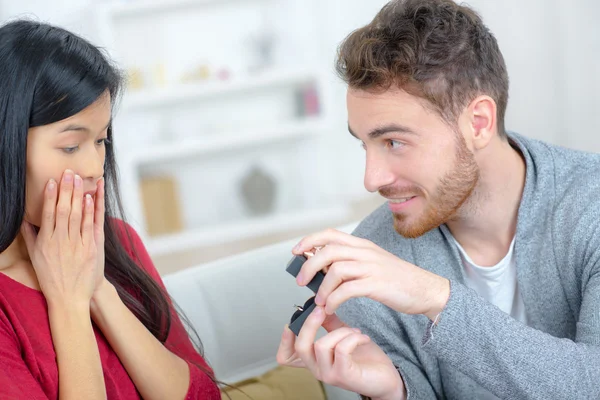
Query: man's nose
point(378, 172)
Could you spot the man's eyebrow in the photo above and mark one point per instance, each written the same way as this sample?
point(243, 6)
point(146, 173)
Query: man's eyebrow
point(81, 128)
point(382, 130)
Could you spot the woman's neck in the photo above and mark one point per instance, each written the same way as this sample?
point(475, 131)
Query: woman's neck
point(16, 253)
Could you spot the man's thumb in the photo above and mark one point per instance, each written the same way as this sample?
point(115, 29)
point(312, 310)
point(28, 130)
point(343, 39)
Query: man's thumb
point(332, 322)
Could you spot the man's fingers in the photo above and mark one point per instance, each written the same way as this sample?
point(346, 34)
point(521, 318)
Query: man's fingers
point(329, 237)
point(328, 256)
point(343, 361)
point(306, 338)
point(286, 351)
point(325, 347)
point(332, 322)
point(347, 291)
point(338, 273)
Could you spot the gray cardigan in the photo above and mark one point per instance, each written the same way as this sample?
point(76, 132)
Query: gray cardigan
point(476, 349)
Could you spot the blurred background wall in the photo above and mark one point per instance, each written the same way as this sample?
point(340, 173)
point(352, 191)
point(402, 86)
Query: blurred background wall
point(232, 131)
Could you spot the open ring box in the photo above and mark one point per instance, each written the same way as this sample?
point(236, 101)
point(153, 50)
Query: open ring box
point(303, 312)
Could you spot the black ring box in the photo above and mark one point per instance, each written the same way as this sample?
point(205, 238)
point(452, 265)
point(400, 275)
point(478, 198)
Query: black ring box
point(298, 318)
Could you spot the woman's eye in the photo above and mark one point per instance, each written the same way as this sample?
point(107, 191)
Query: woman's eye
point(70, 150)
point(104, 141)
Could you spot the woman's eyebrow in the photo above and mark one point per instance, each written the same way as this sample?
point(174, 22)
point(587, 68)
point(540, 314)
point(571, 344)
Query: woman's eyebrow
point(80, 128)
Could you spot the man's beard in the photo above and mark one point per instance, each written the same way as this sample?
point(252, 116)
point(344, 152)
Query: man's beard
point(452, 192)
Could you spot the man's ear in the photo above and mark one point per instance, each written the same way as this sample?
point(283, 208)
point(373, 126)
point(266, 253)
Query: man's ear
point(478, 122)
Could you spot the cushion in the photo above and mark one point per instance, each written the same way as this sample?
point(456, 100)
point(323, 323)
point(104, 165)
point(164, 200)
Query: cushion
point(281, 383)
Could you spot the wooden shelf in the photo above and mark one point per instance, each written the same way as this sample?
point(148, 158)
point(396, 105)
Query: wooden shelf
point(209, 90)
point(254, 227)
point(226, 142)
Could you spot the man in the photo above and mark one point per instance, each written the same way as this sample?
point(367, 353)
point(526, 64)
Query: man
point(480, 278)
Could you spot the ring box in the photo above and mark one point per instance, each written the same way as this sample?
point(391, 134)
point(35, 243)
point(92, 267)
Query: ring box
point(298, 318)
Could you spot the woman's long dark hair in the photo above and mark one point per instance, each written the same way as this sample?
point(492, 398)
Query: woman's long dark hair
point(49, 74)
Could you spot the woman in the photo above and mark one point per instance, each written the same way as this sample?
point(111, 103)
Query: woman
point(83, 312)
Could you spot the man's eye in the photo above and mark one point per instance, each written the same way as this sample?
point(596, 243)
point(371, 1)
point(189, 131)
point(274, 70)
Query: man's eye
point(394, 144)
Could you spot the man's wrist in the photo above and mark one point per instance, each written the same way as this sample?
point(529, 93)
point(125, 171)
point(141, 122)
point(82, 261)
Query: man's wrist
point(438, 299)
point(399, 393)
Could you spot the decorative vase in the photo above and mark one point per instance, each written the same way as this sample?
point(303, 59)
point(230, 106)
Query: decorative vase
point(258, 191)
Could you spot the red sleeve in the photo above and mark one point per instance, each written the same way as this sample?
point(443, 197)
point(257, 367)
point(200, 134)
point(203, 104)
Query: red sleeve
point(16, 381)
point(178, 340)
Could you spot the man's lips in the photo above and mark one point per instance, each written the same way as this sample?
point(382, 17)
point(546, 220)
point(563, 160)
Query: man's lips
point(399, 200)
point(400, 204)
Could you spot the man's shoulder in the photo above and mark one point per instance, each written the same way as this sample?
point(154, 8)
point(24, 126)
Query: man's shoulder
point(576, 179)
point(571, 167)
point(575, 201)
point(573, 175)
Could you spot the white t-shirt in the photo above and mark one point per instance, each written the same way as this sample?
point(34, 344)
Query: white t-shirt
point(497, 284)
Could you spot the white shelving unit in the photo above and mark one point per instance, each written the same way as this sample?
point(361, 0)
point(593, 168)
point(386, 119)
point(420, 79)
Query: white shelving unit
point(196, 149)
point(282, 131)
point(227, 141)
point(206, 90)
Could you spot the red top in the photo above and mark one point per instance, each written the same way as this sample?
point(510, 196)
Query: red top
point(28, 368)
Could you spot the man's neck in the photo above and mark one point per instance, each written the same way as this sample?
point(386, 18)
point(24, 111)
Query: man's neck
point(487, 222)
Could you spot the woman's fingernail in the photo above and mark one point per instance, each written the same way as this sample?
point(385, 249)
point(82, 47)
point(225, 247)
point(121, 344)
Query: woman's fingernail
point(78, 180)
point(68, 177)
point(318, 312)
point(356, 330)
point(300, 279)
point(51, 184)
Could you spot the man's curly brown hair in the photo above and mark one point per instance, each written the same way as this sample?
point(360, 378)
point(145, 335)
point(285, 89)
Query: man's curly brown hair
point(434, 49)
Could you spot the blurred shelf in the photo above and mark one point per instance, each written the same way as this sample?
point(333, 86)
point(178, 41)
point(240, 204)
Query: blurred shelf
point(208, 90)
point(254, 227)
point(226, 142)
point(137, 8)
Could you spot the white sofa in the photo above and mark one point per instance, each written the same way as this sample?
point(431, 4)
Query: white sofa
point(239, 306)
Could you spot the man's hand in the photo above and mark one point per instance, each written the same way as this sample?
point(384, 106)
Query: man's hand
point(359, 268)
point(344, 358)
